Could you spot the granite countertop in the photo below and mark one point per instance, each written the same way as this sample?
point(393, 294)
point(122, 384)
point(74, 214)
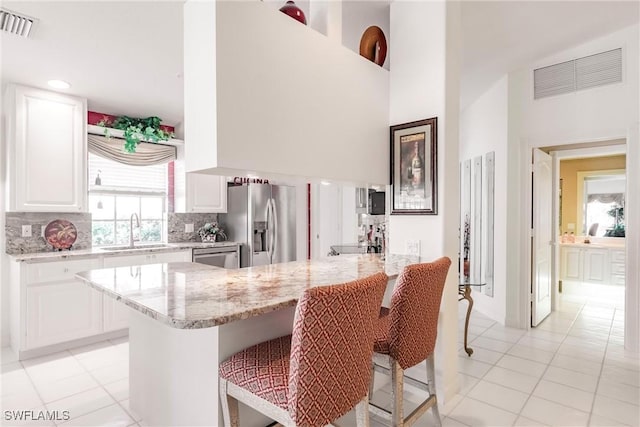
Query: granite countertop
point(93, 252)
point(193, 296)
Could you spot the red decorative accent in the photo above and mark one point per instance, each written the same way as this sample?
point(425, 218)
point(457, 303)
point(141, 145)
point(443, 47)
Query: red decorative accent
point(61, 234)
point(94, 118)
point(171, 193)
point(308, 221)
point(294, 11)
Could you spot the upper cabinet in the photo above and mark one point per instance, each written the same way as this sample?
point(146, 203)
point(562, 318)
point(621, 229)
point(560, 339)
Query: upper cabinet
point(46, 139)
point(206, 193)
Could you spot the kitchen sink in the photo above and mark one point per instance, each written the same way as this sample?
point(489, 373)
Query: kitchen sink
point(138, 247)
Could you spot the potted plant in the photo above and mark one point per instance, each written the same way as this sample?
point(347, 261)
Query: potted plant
point(136, 130)
point(618, 229)
point(211, 232)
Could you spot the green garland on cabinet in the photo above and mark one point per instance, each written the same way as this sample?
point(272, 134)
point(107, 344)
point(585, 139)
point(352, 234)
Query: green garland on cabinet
point(136, 130)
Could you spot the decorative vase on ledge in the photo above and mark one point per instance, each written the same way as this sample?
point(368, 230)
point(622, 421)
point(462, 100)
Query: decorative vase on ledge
point(294, 11)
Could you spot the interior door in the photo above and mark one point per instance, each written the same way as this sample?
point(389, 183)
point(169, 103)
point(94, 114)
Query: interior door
point(541, 242)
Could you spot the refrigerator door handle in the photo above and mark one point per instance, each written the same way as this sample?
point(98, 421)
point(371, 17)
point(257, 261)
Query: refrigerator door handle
point(274, 219)
point(267, 234)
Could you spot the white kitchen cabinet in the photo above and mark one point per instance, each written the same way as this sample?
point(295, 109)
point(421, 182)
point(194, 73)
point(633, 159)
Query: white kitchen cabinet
point(58, 312)
point(183, 255)
point(206, 193)
point(116, 314)
point(47, 151)
point(49, 306)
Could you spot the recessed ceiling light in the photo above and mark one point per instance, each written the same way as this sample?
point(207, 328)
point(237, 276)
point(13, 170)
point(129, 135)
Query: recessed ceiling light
point(59, 84)
point(325, 183)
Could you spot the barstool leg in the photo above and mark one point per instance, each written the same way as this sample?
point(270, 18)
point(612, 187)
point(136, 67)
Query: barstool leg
point(373, 374)
point(229, 406)
point(362, 412)
point(431, 385)
point(397, 379)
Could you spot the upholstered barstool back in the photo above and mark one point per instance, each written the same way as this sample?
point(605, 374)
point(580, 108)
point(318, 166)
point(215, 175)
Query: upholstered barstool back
point(406, 334)
point(319, 373)
point(413, 314)
point(331, 349)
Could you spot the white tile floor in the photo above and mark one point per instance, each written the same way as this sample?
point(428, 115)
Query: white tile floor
point(570, 371)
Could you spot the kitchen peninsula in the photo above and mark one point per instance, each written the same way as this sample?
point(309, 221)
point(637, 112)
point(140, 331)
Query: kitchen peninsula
point(186, 318)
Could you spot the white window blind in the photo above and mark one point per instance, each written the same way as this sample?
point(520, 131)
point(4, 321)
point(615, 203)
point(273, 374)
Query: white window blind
point(117, 176)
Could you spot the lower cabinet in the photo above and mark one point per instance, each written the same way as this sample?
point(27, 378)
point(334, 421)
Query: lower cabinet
point(50, 306)
point(116, 314)
point(596, 266)
point(58, 312)
point(592, 265)
point(571, 263)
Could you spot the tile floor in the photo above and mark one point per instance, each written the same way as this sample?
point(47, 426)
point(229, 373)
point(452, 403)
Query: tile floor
point(570, 371)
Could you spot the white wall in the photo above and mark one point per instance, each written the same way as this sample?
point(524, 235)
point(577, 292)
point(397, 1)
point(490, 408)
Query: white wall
point(484, 128)
point(288, 101)
point(602, 113)
point(424, 83)
point(4, 259)
point(357, 16)
point(200, 109)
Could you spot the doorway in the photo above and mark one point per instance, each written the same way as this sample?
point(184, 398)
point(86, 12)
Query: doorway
point(588, 243)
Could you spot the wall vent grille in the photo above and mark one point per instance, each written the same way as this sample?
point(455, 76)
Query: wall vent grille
point(17, 24)
point(583, 73)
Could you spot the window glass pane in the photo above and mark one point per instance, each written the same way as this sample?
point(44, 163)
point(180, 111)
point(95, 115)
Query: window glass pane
point(152, 207)
point(127, 205)
point(151, 231)
point(122, 232)
point(102, 233)
point(101, 206)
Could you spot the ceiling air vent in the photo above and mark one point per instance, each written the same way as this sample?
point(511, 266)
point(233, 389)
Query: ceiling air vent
point(582, 73)
point(15, 23)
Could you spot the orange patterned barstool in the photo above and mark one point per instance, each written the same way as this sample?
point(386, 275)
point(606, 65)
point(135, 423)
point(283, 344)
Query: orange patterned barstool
point(406, 333)
point(320, 372)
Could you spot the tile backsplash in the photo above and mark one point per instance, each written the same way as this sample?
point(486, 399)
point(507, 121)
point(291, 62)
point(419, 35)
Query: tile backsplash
point(177, 221)
point(16, 244)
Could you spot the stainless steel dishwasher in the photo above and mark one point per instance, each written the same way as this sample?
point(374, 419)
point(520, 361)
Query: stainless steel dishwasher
point(224, 257)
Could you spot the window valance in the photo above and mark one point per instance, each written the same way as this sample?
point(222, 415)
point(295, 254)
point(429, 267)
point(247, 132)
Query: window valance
point(146, 154)
point(617, 198)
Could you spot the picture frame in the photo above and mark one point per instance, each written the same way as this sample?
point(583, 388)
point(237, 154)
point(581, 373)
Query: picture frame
point(414, 174)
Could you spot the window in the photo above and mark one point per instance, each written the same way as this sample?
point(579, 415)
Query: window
point(604, 196)
point(121, 191)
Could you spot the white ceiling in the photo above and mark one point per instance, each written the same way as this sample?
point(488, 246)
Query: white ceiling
point(502, 36)
point(126, 57)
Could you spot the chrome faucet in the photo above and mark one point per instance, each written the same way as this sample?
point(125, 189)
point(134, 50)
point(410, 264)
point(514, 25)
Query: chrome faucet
point(131, 239)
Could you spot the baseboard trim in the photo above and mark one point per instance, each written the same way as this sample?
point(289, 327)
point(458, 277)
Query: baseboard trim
point(55, 348)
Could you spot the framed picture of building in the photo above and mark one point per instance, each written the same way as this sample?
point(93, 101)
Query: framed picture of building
point(413, 168)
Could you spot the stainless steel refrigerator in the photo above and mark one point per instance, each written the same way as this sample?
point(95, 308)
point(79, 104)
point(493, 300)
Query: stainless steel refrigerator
point(262, 218)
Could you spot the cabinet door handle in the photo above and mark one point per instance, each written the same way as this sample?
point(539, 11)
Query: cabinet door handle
point(66, 270)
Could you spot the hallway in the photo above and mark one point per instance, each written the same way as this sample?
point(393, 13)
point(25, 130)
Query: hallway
point(572, 370)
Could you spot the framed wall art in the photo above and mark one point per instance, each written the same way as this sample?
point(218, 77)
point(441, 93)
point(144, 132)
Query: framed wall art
point(413, 168)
